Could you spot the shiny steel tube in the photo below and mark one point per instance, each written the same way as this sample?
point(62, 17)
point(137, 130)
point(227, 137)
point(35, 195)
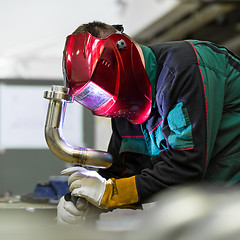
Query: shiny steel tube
point(59, 97)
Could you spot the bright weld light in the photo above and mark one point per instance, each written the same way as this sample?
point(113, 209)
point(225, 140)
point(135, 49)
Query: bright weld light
point(92, 96)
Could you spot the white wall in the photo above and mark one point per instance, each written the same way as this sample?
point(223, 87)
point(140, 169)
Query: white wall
point(33, 33)
point(138, 14)
point(102, 132)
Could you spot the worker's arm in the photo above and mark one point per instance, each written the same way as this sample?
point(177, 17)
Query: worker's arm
point(182, 104)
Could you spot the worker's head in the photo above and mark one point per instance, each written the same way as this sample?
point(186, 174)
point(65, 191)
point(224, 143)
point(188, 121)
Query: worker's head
point(105, 73)
point(96, 29)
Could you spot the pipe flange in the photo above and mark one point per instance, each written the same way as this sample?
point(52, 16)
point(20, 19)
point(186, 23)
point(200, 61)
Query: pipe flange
point(59, 93)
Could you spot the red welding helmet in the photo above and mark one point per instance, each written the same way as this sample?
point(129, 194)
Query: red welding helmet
point(107, 76)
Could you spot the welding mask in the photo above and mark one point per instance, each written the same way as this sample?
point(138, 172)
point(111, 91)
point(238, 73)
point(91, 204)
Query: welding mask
point(107, 76)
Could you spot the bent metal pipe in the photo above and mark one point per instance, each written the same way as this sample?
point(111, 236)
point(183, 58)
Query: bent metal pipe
point(59, 97)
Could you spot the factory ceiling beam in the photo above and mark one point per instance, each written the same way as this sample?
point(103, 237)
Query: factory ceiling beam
point(160, 25)
point(197, 20)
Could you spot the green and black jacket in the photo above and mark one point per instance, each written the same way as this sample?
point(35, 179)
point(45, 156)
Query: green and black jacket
point(193, 132)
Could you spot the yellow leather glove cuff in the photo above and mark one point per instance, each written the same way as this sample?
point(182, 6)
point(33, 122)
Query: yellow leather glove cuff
point(119, 192)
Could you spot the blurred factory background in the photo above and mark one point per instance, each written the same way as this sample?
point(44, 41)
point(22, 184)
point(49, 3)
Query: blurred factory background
point(32, 39)
point(33, 34)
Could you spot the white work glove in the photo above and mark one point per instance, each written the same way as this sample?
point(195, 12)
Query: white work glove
point(68, 213)
point(87, 184)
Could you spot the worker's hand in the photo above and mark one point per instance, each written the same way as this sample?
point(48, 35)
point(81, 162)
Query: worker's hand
point(102, 193)
point(68, 213)
point(87, 184)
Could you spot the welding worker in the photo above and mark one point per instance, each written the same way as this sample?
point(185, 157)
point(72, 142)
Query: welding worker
point(175, 110)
